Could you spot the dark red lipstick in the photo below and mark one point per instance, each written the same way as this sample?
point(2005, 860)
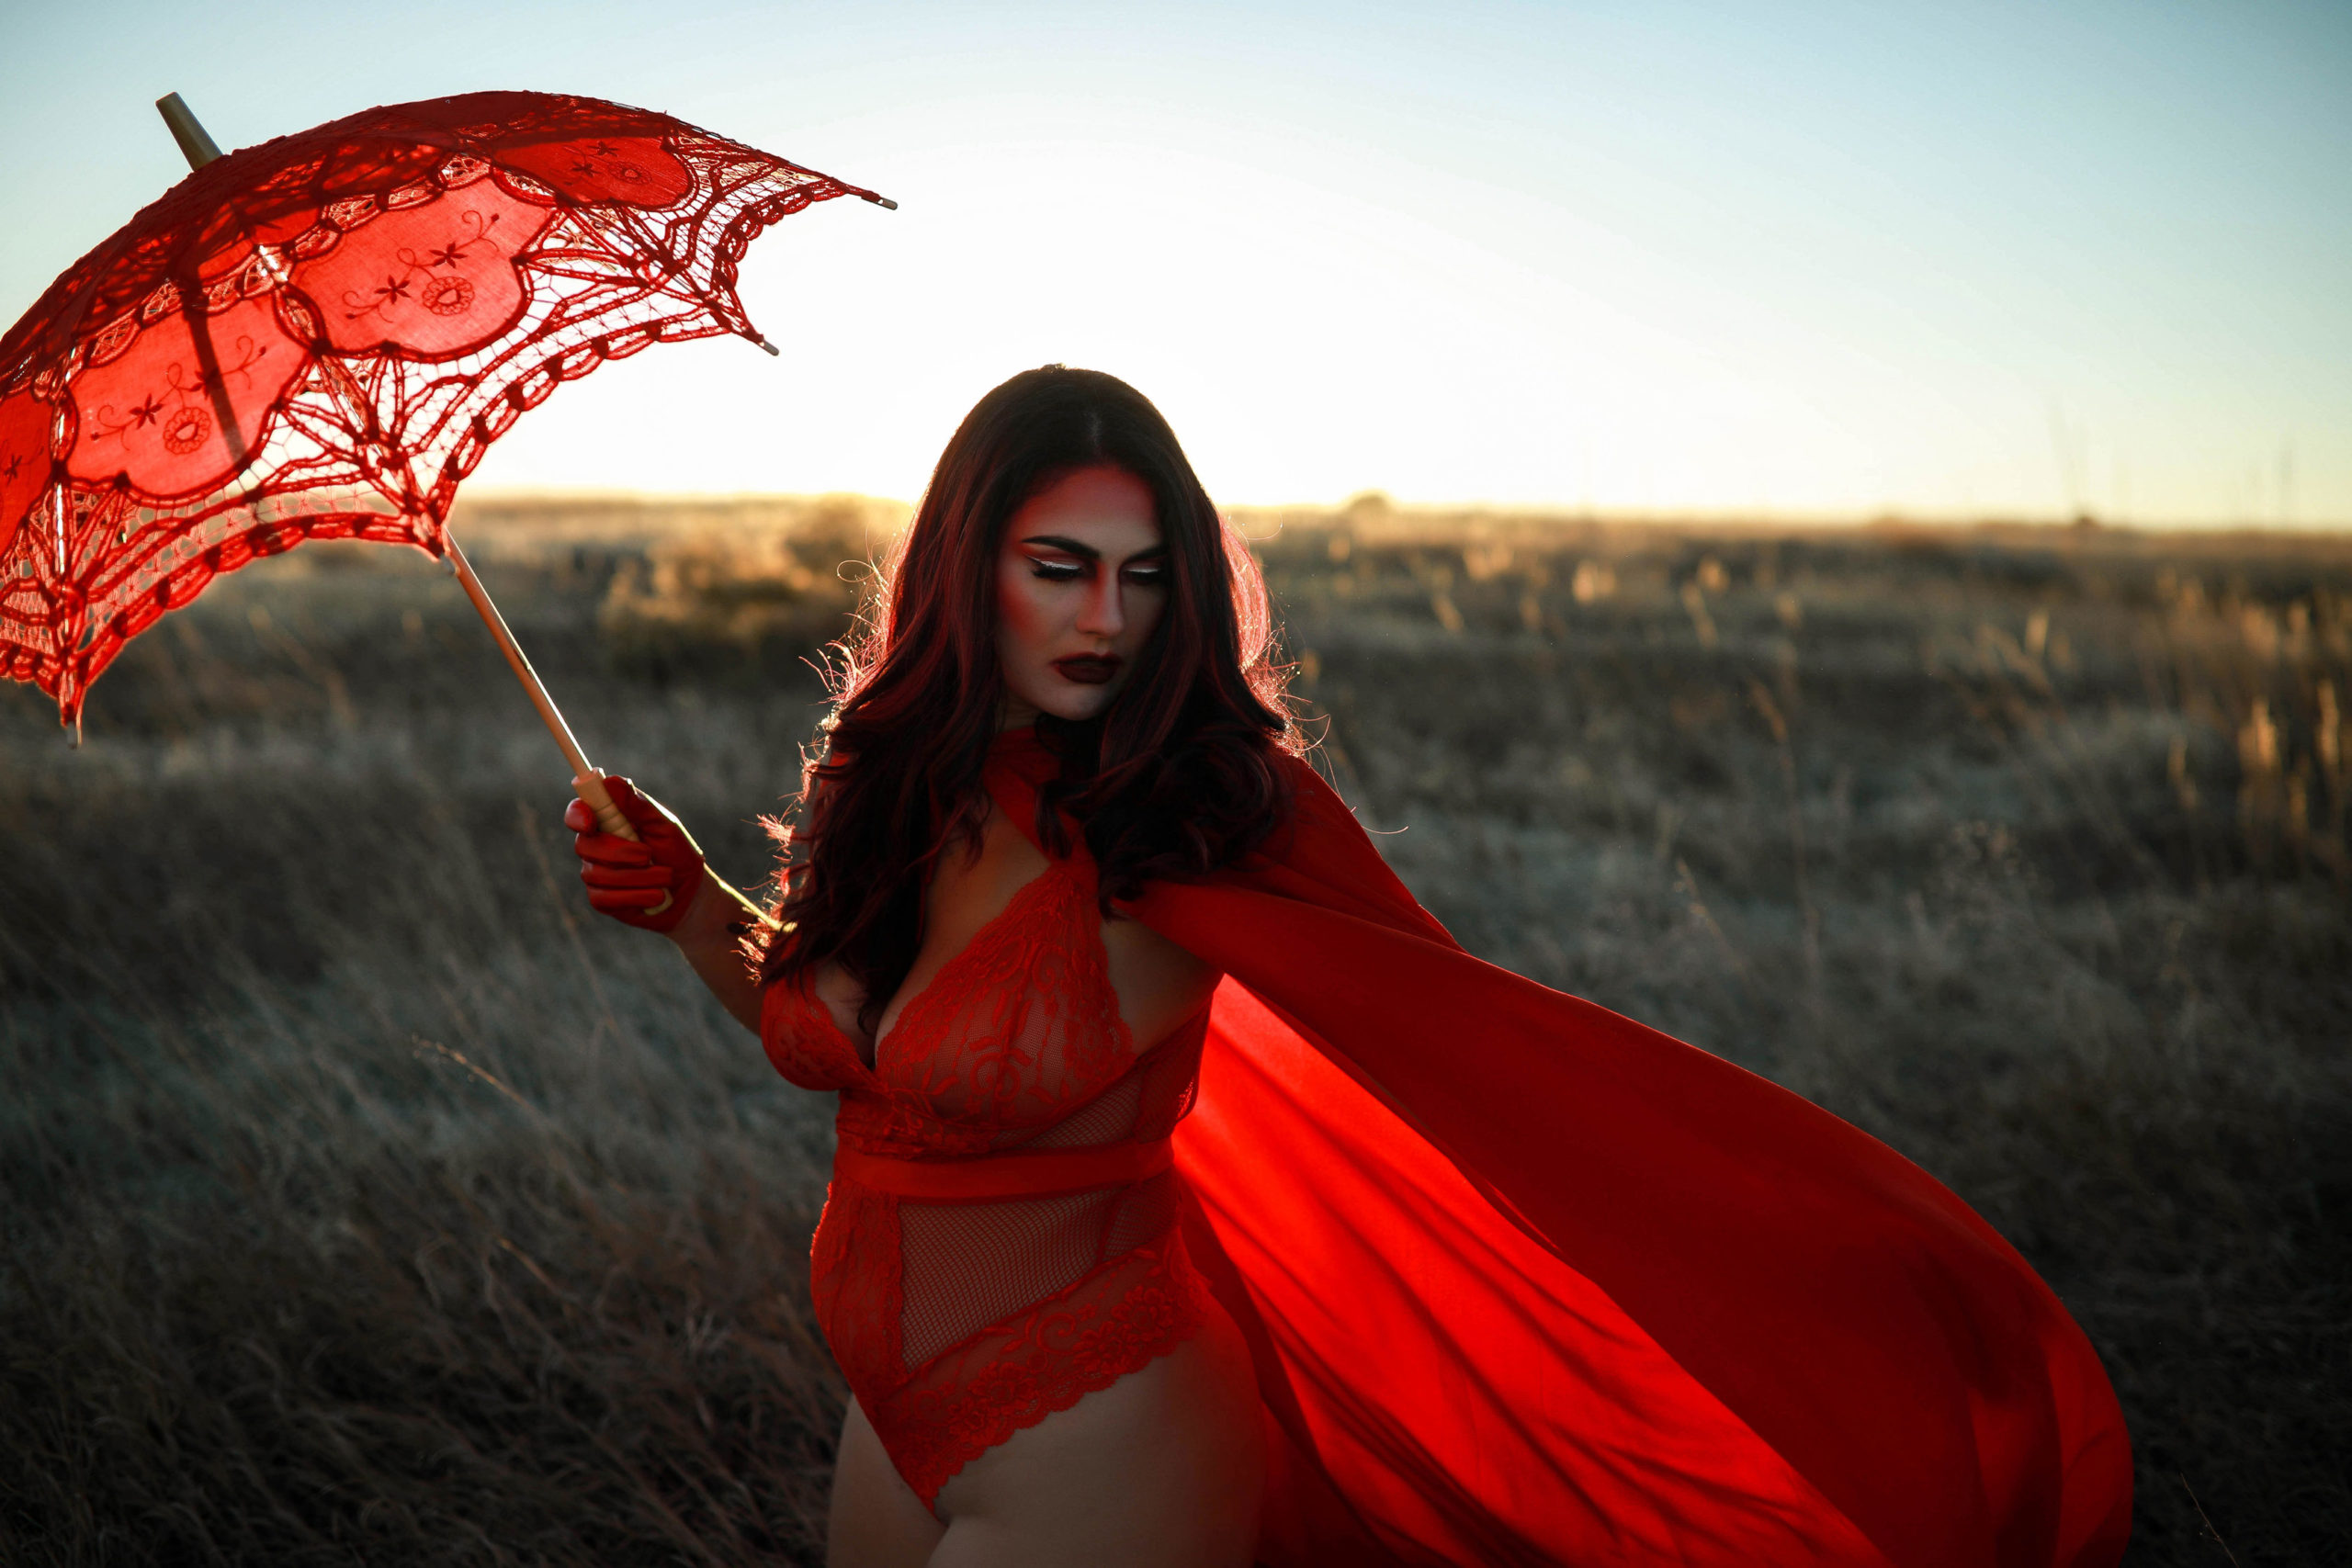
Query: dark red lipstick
point(1089, 669)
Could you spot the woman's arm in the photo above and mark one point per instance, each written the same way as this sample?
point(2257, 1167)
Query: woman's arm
point(711, 936)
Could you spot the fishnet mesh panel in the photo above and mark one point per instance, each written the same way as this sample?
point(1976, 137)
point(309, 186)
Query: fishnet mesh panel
point(320, 337)
point(965, 1266)
point(1109, 1118)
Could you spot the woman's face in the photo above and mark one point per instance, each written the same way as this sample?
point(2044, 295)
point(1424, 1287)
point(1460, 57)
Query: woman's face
point(1081, 580)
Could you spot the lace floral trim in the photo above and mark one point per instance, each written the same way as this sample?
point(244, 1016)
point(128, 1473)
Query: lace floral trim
point(1015, 1029)
point(854, 1278)
point(1042, 1362)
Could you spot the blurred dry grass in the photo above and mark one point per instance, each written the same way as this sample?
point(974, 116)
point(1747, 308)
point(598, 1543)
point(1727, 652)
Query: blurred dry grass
point(363, 1202)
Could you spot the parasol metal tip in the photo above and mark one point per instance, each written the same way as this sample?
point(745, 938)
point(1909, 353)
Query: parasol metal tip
point(774, 352)
point(196, 144)
point(881, 201)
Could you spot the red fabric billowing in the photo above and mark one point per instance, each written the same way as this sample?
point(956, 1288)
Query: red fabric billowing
point(1531, 1282)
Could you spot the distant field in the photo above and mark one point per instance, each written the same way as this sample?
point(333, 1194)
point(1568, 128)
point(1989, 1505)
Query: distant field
point(367, 1200)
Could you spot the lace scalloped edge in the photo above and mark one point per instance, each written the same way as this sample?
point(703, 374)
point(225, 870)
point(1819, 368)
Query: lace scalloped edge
point(1168, 1300)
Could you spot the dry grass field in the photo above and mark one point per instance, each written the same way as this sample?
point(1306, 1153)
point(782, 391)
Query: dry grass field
point(361, 1200)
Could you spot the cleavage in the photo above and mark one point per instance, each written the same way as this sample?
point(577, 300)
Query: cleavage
point(961, 907)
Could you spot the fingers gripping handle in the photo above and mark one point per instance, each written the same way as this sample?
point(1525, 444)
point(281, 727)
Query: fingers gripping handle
point(590, 786)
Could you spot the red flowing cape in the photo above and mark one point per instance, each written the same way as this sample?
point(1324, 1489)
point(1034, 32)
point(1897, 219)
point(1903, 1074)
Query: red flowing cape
point(1529, 1282)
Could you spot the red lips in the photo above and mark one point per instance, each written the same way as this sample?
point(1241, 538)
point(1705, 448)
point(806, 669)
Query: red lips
point(1088, 668)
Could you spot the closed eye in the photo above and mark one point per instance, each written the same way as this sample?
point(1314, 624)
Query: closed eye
point(1056, 570)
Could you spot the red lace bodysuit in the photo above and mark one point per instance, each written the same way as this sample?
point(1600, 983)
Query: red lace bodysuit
point(999, 1237)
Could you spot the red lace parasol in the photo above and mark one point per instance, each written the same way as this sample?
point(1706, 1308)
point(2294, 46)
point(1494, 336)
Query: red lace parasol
point(318, 338)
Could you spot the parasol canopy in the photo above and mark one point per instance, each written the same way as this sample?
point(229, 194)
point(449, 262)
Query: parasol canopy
point(319, 337)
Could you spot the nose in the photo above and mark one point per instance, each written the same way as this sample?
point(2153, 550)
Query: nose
point(1104, 613)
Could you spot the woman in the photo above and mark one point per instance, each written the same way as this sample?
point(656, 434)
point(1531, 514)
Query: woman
point(1442, 1265)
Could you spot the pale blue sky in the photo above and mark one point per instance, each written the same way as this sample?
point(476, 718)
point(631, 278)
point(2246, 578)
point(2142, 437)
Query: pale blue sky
point(1951, 259)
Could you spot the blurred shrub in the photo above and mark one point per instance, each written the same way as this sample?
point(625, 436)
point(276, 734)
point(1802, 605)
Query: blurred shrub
point(746, 596)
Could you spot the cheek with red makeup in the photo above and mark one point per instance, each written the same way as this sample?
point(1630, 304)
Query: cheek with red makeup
point(1042, 655)
point(1079, 588)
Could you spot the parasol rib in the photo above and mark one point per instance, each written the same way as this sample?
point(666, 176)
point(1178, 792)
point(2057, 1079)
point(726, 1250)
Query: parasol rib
point(200, 149)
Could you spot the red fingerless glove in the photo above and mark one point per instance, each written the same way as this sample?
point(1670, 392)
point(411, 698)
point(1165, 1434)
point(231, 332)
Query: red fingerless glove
point(630, 882)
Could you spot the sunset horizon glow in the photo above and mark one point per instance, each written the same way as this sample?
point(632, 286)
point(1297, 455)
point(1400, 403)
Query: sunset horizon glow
point(1823, 263)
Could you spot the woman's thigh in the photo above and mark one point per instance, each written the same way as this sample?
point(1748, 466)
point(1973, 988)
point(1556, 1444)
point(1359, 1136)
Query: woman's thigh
point(1161, 1470)
point(875, 1520)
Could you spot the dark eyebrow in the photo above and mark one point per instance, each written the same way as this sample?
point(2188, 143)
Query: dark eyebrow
point(1086, 552)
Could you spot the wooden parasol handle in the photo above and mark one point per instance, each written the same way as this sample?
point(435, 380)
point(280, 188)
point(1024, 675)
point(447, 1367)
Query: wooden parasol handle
point(585, 780)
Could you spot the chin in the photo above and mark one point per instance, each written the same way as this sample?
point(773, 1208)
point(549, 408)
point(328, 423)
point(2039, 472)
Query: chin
point(1077, 707)
point(1072, 703)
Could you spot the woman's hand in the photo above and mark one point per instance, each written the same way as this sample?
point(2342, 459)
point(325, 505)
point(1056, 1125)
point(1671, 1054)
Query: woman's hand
point(648, 885)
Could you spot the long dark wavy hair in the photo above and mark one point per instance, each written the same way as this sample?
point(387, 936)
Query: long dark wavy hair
point(1179, 777)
